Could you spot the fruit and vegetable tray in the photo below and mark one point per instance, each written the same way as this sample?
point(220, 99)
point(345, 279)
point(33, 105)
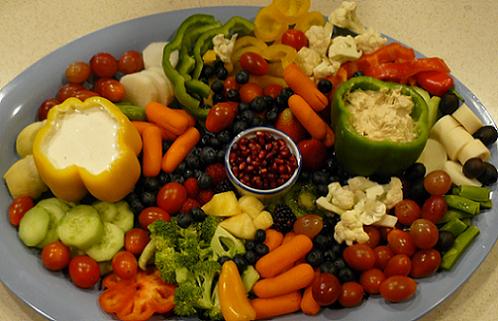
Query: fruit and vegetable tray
point(283, 165)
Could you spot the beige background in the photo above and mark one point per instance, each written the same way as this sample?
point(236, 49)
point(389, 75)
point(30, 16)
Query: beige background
point(464, 33)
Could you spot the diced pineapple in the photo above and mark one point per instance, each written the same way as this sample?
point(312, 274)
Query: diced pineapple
point(251, 205)
point(263, 220)
point(240, 226)
point(222, 204)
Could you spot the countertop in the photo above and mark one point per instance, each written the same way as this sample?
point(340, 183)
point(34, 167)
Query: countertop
point(463, 32)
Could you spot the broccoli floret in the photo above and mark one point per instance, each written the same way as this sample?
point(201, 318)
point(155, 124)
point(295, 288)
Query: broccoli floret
point(204, 275)
point(208, 228)
point(166, 263)
point(215, 312)
point(164, 233)
point(187, 295)
point(224, 243)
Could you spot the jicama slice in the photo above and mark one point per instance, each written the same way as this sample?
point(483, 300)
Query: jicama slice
point(443, 126)
point(474, 148)
point(433, 156)
point(454, 140)
point(454, 169)
point(170, 90)
point(139, 88)
point(153, 55)
point(160, 84)
point(469, 120)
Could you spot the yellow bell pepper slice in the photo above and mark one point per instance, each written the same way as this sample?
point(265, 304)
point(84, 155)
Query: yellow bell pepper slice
point(280, 52)
point(270, 24)
point(292, 9)
point(88, 146)
point(234, 304)
point(309, 19)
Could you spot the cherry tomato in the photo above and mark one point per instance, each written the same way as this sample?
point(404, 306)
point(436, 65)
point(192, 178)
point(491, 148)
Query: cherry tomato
point(135, 240)
point(254, 63)
point(407, 211)
point(371, 280)
point(45, 107)
point(151, 214)
point(401, 242)
point(131, 61)
point(373, 236)
point(84, 271)
point(437, 182)
point(434, 208)
point(104, 64)
point(425, 234)
point(435, 82)
point(67, 91)
point(359, 257)
point(230, 83)
point(221, 116)
point(294, 38)
point(171, 197)
point(99, 85)
point(383, 254)
point(398, 288)
point(85, 94)
point(249, 91)
point(19, 206)
point(55, 256)
point(352, 294)
point(77, 72)
point(272, 90)
point(309, 225)
point(125, 265)
point(113, 90)
point(425, 263)
point(400, 264)
point(326, 289)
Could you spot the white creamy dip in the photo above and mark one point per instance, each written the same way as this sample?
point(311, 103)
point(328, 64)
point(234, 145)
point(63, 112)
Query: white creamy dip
point(84, 138)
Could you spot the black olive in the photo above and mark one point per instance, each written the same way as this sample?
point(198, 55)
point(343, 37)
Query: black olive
point(223, 259)
point(328, 267)
point(258, 104)
point(233, 95)
point(221, 73)
point(184, 220)
point(486, 134)
point(415, 171)
point(204, 181)
point(489, 175)
point(345, 275)
point(417, 191)
point(242, 77)
point(324, 85)
point(207, 71)
point(260, 236)
point(198, 214)
point(314, 258)
point(134, 201)
point(261, 249)
point(449, 103)
point(250, 257)
point(446, 240)
point(240, 261)
point(250, 245)
point(338, 31)
point(474, 167)
point(217, 86)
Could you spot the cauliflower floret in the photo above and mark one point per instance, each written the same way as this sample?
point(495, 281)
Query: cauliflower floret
point(370, 211)
point(332, 187)
point(319, 38)
point(343, 198)
point(360, 182)
point(394, 192)
point(345, 17)
point(343, 49)
point(308, 59)
point(350, 229)
point(369, 41)
point(374, 192)
point(326, 68)
point(224, 47)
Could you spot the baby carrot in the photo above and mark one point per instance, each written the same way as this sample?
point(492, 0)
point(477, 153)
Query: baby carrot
point(288, 236)
point(141, 125)
point(279, 305)
point(305, 87)
point(166, 117)
point(167, 135)
point(152, 151)
point(308, 304)
point(329, 137)
point(284, 256)
point(310, 120)
point(191, 119)
point(296, 278)
point(273, 239)
point(180, 148)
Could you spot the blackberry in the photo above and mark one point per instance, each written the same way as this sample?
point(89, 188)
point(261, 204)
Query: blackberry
point(283, 218)
point(224, 186)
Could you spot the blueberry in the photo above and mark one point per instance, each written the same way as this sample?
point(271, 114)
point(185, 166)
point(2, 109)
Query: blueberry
point(345, 275)
point(287, 92)
point(258, 104)
point(257, 121)
point(260, 236)
point(320, 178)
point(243, 106)
point(269, 101)
point(205, 138)
point(204, 79)
point(214, 142)
point(204, 181)
point(250, 257)
point(198, 214)
point(250, 245)
point(233, 95)
point(314, 258)
point(239, 126)
point(218, 64)
point(223, 259)
point(330, 255)
point(177, 178)
point(164, 178)
point(323, 241)
point(247, 115)
point(322, 189)
point(242, 77)
point(324, 85)
point(221, 73)
point(224, 137)
point(207, 71)
point(218, 98)
point(148, 199)
point(272, 114)
point(220, 155)
point(281, 101)
point(328, 267)
point(217, 86)
point(135, 204)
point(208, 155)
point(184, 220)
point(339, 264)
point(151, 184)
point(261, 249)
point(192, 161)
point(181, 168)
point(188, 173)
point(240, 261)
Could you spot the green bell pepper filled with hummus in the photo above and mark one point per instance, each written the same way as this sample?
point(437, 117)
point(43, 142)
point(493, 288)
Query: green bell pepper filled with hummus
point(381, 127)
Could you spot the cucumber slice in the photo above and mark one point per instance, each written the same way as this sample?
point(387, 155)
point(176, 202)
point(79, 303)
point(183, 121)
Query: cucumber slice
point(108, 211)
point(112, 241)
point(57, 209)
point(124, 219)
point(81, 227)
point(34, 226)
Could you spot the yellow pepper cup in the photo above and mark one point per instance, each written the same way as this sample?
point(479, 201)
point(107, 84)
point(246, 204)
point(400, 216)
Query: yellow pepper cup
point(88, 146)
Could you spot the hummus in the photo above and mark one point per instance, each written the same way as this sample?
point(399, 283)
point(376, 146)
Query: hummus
point(382, 115)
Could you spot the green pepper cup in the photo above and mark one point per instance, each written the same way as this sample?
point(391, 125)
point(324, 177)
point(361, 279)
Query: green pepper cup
point(363, 156)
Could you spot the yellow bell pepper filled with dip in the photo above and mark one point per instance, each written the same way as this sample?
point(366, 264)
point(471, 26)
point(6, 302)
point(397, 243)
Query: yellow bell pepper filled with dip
point(88, 146)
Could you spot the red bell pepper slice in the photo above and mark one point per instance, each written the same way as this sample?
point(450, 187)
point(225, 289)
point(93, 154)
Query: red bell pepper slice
point(402, 71)
point(435, 82)
point(393, 52)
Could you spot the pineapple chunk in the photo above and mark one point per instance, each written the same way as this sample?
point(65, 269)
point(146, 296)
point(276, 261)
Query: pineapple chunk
point(222, 204)
point(240, 226)
point(263, 221)
point(251, 205)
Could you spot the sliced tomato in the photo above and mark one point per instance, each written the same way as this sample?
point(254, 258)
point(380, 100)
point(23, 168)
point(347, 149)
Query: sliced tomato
point(113, 300)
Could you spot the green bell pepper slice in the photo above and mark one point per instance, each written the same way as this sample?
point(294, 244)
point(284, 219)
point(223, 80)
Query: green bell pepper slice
point(363, 156)
point(190, 103)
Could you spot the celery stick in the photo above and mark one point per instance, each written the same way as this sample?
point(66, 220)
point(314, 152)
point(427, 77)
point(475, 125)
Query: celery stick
point(475, 193)
point(486, 204)
point(451, 214)
point(461, 243)
point(455, 226)
point(462, 204)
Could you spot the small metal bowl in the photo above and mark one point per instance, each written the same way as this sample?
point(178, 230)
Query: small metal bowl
point(264, 193)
